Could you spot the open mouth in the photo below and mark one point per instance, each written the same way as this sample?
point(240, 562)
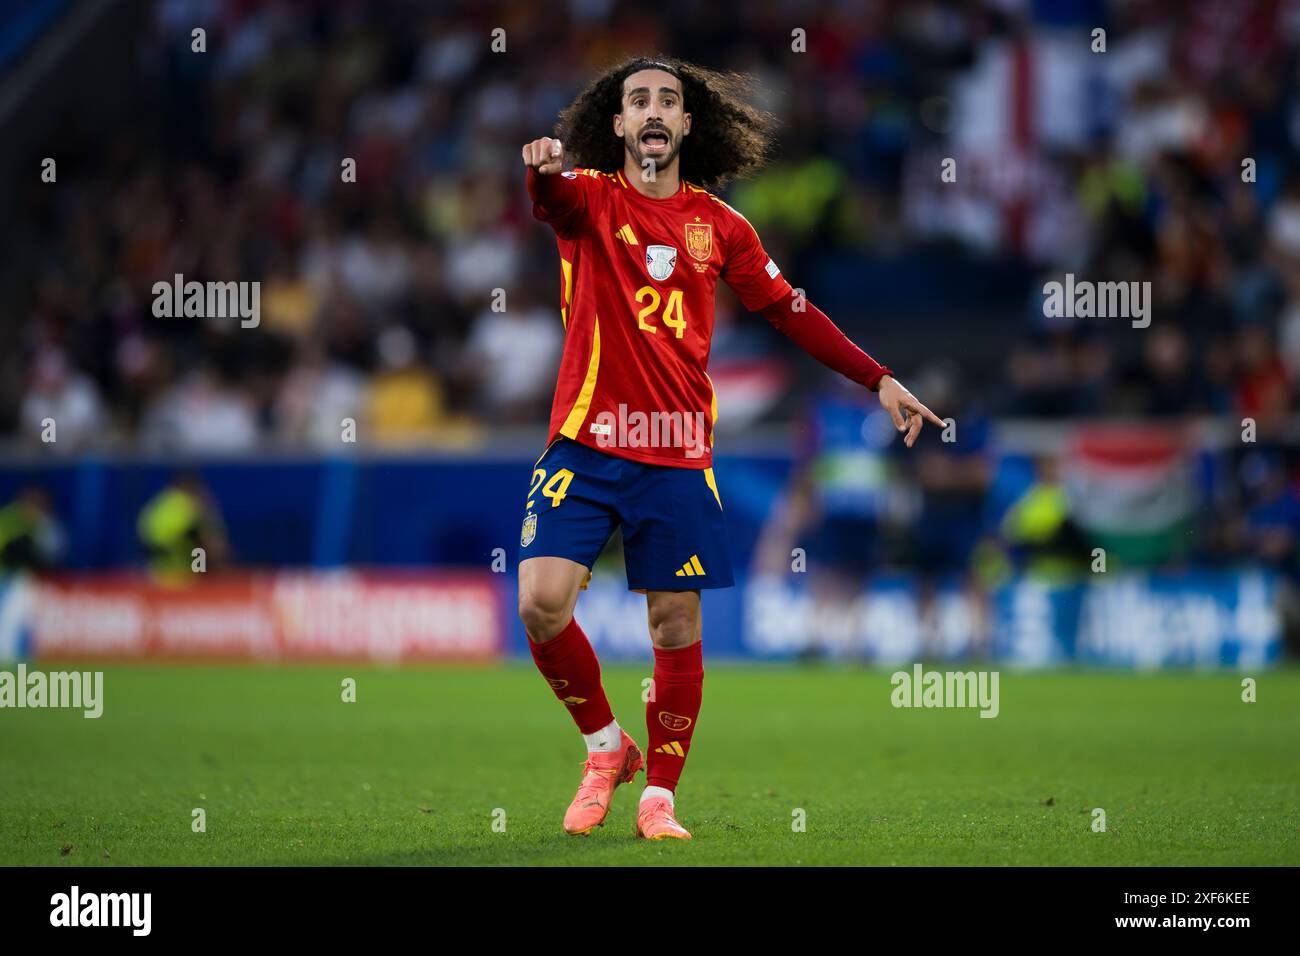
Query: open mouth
point(654, 141)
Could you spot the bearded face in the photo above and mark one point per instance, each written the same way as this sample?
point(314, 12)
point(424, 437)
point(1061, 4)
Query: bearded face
point(653, 122)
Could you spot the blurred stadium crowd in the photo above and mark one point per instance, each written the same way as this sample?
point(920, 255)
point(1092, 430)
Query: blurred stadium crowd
point(377, 295)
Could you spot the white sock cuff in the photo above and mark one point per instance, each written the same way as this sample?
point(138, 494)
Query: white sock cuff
point(651, 792)
point(605, 740)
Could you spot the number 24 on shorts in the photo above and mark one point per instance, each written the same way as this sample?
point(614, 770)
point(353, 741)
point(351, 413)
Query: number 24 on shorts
point(557, 489)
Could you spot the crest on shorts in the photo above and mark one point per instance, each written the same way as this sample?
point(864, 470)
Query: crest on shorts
point(699, 240)
point(674, 722)
point(659, 260)
point(530, 531)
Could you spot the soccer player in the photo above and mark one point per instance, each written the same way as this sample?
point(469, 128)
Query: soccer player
point(642, 246)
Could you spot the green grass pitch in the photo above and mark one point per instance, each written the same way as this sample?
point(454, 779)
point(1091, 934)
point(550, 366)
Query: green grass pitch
point(417, 770)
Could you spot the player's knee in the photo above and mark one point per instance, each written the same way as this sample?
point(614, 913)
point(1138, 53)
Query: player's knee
point(675, 629)
point(544, 615)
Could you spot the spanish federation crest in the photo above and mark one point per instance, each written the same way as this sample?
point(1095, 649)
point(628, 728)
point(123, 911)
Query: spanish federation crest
point(530, 531)
point(659, 260)
point(674, 722)
point(699, 240)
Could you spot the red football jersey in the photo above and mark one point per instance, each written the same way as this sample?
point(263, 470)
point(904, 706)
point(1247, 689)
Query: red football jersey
point(637, 281)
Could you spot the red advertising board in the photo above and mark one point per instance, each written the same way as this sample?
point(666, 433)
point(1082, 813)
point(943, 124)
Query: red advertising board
point(299, 615)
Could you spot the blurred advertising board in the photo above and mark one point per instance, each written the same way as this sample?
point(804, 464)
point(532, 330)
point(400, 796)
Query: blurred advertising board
point(389, 616)
point(1140, 621)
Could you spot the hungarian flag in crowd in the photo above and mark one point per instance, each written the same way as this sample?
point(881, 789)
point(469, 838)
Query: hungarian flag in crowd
point(1132, 490)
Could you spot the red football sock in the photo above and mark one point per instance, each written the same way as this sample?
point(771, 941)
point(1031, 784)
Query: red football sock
point(672, 712)
point(570, 666)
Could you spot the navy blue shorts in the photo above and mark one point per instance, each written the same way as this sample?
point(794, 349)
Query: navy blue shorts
point(674, 533)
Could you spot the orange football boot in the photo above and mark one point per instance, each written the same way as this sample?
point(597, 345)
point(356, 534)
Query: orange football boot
point(601, 773)
point(655, 821)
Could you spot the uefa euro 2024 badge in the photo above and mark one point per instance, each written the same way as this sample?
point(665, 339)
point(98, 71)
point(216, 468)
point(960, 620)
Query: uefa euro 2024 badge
point(659, 260)
point(530, 531)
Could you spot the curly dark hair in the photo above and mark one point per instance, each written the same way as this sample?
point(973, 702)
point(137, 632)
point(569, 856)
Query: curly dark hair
point(729, 139)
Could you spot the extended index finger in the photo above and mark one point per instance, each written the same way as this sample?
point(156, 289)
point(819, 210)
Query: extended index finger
point(928, 415)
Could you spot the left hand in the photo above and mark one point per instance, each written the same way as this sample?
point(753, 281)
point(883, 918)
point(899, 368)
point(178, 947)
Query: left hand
point(905, 409)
